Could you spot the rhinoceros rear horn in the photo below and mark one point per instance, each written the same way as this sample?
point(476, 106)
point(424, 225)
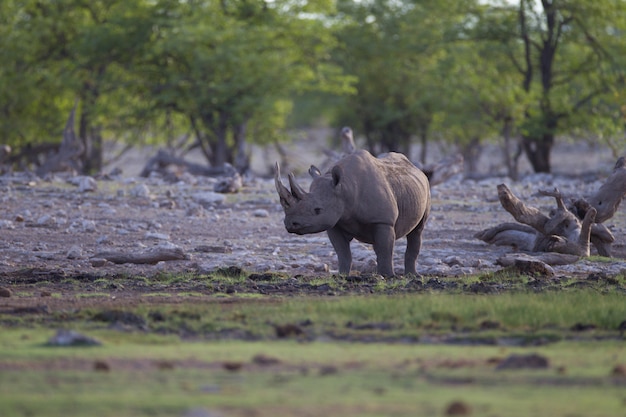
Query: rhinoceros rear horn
point(296, 190)
point(286, 198)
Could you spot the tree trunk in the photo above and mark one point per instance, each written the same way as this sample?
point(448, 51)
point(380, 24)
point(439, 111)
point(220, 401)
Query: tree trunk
point(511, 160)
point(242, 159)
point(538, 150)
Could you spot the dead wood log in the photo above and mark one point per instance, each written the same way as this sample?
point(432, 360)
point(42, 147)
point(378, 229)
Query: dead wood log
point(519, 236)
point(520, 211)
point(443, 170)
point(549, 258)
point(560, 232)
point(163, 159)
point(608, 197)
point(152, 257)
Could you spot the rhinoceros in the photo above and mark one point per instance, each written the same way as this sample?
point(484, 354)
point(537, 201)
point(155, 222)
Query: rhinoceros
point(373, 200)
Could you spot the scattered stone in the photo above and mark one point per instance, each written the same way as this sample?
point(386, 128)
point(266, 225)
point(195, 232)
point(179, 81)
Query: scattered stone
point(265, 360)
point(6, 224)
point(208, 198)
point(101, 366)
point(165, 365)
point(532, 268)
point(232, 366)
point(214, 249)
point(328, 370)
point(119, 316)
point(5, 292)
point(619, 371)
point(530, 361)
point(140, 191)
point(582, 327)
point(490, 325)
point(287, 330)
point(98, 262)
point(229, 185)
point(156, 236)
point(19, 218)
point(46, 220)
point(75, 252)
point(260, 213)
point(86, 184)
point(71, 338)
point(458, 408)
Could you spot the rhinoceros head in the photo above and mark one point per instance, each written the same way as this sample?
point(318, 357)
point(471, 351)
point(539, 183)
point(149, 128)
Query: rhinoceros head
point(314, 211)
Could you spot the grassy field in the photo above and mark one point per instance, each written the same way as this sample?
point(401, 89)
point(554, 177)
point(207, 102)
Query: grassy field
point(402, 355)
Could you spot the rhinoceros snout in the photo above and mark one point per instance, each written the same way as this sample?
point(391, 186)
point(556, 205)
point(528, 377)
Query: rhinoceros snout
point(293, 227)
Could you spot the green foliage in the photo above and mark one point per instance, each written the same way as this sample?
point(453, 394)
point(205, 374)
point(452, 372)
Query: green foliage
point(230, 72)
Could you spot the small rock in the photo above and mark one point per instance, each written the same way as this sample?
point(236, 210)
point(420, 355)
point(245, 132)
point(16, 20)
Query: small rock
point(530, 361)
point(232, 366)
point(265, 360)
point(287, 330)
point(98, 262)
point(5, 292)
point(156, 236)
point(86, 184)
point(328, 370)
point(75, 252)
point(46, 220)
point(619, 371)
point(208, 198)
point(229, 185)
point(101, 366)
point(260, 213)
point(72, 338)
point(45, 293)
point(458, 408)
point(140, 191)
point(6, 224)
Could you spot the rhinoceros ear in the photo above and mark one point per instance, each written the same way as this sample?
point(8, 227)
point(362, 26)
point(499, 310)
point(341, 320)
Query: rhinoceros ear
point(337, 173)
point(315, 172)
point(286, 199)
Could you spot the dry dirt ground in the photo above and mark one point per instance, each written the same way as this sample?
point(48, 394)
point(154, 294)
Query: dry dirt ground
point(54, 234)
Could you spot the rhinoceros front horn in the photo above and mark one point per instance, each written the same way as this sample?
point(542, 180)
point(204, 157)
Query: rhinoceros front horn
point(286, 198)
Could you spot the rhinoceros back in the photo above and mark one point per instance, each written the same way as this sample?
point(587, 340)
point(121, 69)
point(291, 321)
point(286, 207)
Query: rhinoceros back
point(388, 190)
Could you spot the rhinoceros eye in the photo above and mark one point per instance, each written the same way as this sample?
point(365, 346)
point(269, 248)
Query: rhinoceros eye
point(317, 210)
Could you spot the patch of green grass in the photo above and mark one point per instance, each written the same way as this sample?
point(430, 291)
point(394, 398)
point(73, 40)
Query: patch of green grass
point(93, 295)
point(309, 379)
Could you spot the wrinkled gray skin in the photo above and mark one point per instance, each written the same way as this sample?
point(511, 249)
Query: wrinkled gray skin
point(372, 200)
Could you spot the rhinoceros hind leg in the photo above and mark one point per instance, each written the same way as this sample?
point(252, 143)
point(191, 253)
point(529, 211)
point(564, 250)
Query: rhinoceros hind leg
point(413, 247)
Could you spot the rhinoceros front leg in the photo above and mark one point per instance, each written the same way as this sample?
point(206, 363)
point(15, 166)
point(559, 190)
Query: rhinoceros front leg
point(341, 244)
point(384, 239)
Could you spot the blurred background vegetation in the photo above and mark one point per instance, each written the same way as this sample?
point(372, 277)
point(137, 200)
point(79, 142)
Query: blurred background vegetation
point(223, 74)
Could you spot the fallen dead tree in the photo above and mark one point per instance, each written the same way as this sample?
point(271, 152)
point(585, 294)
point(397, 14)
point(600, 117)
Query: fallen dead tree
point(150, 257)
point(163, 159)
point(569, 229)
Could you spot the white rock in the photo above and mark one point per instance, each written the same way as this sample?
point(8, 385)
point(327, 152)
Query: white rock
point(86, 184)
point(208, 198)
point(156, 236)
point(260, 213)
point(140, 191)
point(75, 252)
